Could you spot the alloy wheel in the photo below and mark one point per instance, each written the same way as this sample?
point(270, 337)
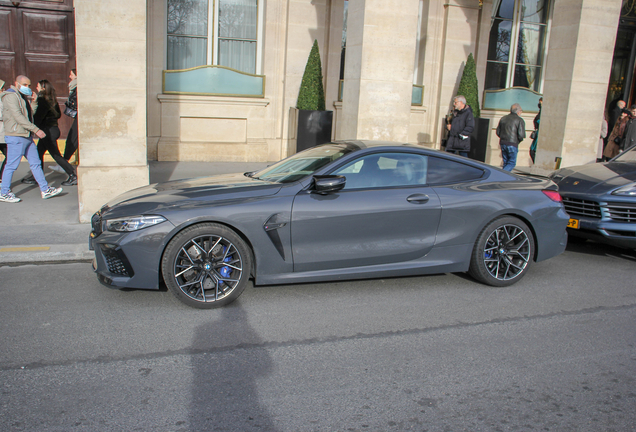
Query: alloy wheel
point(208, 268)
point(507, 252)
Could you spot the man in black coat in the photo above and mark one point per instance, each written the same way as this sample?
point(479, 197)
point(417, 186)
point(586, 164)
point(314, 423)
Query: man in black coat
point(460, 127)
point(511, 130)
point(614, 114)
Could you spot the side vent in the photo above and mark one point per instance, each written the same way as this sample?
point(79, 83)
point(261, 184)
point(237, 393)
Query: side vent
point(271, 226)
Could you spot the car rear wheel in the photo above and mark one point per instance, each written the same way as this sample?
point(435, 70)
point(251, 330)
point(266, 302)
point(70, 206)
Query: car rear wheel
point(503, 252)
point(206, 266)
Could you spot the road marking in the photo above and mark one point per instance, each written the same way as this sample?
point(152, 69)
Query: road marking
point(25, 249)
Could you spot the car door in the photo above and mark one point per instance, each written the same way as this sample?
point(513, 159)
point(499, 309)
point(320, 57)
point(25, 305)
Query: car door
point(385, 214)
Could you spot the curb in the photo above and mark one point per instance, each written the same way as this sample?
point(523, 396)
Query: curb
point(38, 254)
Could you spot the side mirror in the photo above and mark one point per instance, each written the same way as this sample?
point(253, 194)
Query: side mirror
point(329, 183)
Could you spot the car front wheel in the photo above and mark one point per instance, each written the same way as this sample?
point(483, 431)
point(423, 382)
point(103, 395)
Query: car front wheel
point(503, 252)
point(206, 266)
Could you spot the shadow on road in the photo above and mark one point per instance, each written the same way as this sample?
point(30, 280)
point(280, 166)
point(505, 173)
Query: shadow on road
point(226, 366)
point(600, 249)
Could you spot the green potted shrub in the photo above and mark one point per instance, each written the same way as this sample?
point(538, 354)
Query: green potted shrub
point(469, 88)
point(314, 122)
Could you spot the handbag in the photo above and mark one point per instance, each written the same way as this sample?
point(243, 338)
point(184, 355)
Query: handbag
point(617, 140)
point(533, 134)
point(69, 111)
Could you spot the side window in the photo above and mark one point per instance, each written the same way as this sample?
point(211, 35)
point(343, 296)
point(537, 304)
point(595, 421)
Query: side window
point(446, 171)
point(385, 170)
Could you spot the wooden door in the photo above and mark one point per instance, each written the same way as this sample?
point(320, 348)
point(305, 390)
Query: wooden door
point(37, 39)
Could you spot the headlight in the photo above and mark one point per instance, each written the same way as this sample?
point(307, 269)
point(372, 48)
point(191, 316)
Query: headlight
point(629, 190)
point(133, 223)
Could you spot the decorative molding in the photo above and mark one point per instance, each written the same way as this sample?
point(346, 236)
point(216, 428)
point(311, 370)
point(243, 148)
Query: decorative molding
point(213, 100)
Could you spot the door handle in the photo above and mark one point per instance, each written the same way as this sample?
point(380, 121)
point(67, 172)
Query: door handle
point(418, 198)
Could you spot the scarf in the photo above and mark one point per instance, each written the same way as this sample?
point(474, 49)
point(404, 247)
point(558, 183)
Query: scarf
point(72, 85)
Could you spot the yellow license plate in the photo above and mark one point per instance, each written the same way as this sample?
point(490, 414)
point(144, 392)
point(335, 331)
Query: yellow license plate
point(573, 223)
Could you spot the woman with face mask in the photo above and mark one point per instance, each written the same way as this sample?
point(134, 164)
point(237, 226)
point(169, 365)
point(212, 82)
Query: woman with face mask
point(46, 115)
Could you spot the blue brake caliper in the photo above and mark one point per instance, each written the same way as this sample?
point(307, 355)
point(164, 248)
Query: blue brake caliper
point(487, 254)
point(225, 271)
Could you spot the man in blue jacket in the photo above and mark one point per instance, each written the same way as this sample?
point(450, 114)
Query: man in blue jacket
point(18, 134)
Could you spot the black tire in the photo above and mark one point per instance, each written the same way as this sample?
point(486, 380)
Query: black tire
point(503, 252)
point(206, 266)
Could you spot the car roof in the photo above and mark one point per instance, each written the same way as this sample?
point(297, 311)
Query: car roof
point(374, 143)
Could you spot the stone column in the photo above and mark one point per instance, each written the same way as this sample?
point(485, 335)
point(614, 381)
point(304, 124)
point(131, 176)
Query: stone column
point(379, 68)
point(582, 38)
point(111, 70)
point(453, 30)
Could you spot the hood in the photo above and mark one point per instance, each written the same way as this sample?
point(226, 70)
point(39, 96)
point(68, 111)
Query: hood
point(8, 91)
point(595, 178)
point(159, 197)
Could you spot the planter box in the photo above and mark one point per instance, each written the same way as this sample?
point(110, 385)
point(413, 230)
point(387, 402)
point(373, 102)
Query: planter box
point(314, 128)
point(479, 139)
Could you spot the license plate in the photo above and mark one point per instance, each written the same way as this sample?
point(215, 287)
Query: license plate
point(573, 223)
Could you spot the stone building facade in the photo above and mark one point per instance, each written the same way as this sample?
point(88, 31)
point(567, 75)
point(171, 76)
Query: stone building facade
point(151, 76)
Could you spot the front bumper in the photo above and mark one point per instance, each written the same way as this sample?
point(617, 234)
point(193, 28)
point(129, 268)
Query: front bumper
point(613, 233)
point(611, 222)
point(130, 259)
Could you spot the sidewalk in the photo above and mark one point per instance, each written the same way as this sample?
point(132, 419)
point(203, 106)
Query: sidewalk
point(36, 230)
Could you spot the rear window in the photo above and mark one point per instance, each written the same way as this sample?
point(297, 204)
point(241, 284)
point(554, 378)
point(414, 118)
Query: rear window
point(442, 171)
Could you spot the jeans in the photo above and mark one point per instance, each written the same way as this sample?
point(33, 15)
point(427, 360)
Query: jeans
point(509, 156)
point(3, 149)
point(458, 152)
point(16, 148)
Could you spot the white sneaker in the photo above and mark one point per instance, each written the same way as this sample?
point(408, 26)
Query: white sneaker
point(9, 197)
point(56, 168)
point(51, 192)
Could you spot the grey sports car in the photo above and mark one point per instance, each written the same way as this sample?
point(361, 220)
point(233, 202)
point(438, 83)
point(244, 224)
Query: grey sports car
point(601, 199)
point(344, 210)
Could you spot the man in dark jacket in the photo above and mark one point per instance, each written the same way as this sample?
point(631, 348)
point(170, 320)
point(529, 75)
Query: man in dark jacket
point(460, 127)
point(511, 130)
point(629, 138)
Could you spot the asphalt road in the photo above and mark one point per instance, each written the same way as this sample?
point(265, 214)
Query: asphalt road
point(556, 352)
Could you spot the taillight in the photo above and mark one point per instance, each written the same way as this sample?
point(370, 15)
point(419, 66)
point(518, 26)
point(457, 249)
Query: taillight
point(553, 195)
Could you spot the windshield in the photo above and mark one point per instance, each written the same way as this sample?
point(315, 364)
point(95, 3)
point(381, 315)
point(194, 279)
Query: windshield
point(628, 155)
point(304, 163)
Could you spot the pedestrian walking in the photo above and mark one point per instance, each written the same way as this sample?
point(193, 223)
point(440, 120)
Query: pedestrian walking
point(602, 138)
point(46, 114)
point(460, 126)
point(616, 136)
point(18, 130)
point(616, 108)
point(511, 130)
point(629, 138)
point(3, 145)
point(534, 136)
point(70, 109)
